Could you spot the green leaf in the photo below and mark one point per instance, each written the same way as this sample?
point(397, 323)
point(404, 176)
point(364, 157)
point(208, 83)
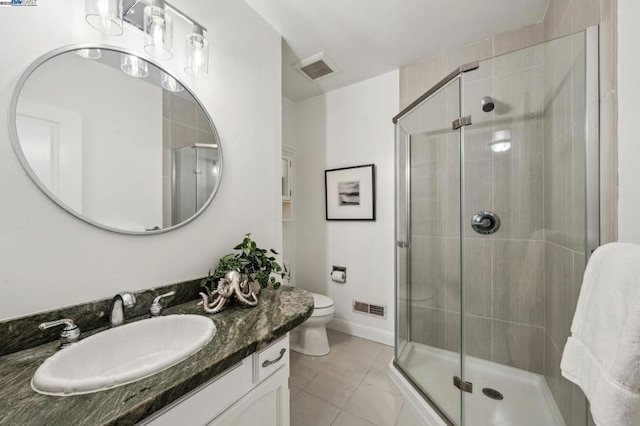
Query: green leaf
point(249, 259)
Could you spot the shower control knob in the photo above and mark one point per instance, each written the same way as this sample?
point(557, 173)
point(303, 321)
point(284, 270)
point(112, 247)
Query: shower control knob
point(485, 222)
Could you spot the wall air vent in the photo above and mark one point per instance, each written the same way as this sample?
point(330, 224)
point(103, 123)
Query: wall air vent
point(367, 308)
point(317, 67)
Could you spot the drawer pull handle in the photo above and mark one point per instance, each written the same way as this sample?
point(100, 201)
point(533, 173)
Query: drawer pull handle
point(268, 362)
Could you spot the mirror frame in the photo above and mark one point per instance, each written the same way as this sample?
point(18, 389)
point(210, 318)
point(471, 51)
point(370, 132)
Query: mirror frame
point(13, 132)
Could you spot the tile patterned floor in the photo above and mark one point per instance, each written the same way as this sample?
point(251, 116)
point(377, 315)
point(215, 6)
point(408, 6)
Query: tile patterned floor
point(348, 387)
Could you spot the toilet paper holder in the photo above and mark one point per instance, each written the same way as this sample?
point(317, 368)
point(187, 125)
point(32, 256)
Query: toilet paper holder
point(339, 274)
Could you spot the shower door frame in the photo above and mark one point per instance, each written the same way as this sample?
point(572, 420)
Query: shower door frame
point(592, 193)
point(174, 179)
point(592, 136)
point(455, 74)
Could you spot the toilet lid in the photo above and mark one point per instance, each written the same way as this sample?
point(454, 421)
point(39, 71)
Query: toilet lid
point(320, 301)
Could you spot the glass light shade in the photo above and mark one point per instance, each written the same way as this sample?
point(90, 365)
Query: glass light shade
point(89, 53)
point(170, 83)
point(133, 66)
point(500, 146)
point(501, 141)
point(197, 52)
point(158, 28)
point(104, 15)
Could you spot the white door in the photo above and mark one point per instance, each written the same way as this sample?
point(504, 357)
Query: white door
point(51, 140)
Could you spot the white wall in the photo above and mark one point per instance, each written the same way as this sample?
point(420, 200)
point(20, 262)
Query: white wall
point(122, 163)
point(49, 258)
point(289, 138)
point(628, 110)
point(348, 127)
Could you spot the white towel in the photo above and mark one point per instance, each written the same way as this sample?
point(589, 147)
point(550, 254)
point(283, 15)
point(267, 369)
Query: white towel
point(602, 356)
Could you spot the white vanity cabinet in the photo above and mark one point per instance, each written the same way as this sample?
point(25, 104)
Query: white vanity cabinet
point(253, 392)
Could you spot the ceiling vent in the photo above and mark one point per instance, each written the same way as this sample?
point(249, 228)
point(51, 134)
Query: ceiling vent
point(317, 67)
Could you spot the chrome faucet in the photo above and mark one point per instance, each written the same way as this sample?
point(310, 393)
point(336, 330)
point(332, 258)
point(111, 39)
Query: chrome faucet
point(121, 301)
point(70, 333)
point(156, 308)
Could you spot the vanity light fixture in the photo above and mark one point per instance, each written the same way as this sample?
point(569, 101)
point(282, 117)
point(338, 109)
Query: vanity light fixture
point(197, 50)
point(133, 66)
point(89, 53)
point(154, 18)
point(158, 30)
point(171, 84)
point(501, 141)
point(104, 15)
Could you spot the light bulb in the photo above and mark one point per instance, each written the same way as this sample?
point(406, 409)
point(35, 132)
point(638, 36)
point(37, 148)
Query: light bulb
point(501, 141)
point(158, 28)
point(500, 146)
point(133, 66)
point(197, 50)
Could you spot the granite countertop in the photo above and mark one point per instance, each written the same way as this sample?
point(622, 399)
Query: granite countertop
point(240, 332)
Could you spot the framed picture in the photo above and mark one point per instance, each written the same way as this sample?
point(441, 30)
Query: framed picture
point(350, 193)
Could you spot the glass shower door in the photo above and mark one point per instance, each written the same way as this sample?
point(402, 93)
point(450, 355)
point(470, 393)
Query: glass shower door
point(523, 231)
point(195, 173)
point(494, 227)
point(402, 243)
point(428, 248)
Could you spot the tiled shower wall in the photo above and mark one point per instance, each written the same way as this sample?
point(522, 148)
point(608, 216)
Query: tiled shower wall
point(504, 274)
point(564, 218)
point(183, 124)
point(564, 136)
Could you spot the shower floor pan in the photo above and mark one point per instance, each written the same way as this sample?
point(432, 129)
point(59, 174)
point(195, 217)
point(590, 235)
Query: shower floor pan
point(527, 398)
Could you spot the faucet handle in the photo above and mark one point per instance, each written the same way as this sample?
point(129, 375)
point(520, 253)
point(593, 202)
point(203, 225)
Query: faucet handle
point(69, 334)
point(156, 308)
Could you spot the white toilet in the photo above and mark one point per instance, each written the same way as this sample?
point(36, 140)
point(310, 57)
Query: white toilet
point(310, 337)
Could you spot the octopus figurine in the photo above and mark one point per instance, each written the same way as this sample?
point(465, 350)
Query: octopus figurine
point(230, 286)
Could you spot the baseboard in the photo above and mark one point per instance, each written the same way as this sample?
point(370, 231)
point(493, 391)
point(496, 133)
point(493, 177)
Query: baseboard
point(364, 331)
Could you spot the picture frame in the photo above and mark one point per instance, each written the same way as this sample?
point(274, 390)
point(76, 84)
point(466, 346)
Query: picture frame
point(350, 193)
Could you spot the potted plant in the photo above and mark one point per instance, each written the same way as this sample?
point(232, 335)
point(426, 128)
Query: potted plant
point(256, 264)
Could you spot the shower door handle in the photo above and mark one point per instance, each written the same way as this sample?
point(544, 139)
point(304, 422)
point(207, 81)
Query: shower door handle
point(402, 244)
point(485, 222)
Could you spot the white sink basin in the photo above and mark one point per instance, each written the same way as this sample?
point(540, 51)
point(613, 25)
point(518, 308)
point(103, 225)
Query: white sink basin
point(123, 354)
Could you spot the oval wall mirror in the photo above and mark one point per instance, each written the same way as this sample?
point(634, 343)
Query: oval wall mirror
point(115, 140)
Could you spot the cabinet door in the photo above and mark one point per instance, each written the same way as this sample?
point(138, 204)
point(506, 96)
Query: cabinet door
point(266, 405)
point(270, 359)
point(205, 403)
